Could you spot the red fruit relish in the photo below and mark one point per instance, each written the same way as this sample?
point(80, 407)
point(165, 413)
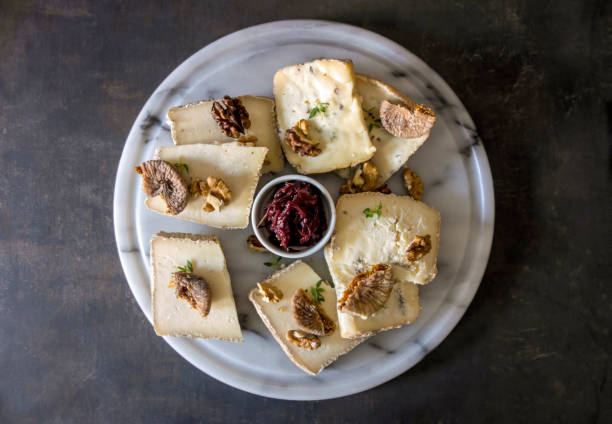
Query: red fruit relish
point(295, 216)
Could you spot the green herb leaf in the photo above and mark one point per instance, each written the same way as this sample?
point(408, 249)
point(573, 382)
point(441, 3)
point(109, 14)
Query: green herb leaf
point(180, 165)
point(319, 107)
point(369, 213)
point(275, 263)
point(315, 292)
point(187, 268)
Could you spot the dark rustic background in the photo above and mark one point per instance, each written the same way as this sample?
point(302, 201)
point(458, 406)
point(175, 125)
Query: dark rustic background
point(534, 346)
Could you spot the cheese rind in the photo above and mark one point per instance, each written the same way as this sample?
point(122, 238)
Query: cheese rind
point(340, 130)
point(401, 308)
point(176, 317)
point(193, 123)
point(239, 167)
point(391, 152)
point(279, 319)
point(361, 241)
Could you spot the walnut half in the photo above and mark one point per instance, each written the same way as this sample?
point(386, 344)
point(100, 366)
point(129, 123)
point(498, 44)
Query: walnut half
point(269, 292)
point(231, 116)
point(302, 339)
point(254, 244)
point(364, 179)
point(368, 291)
point(413, 184)
point(216, 191)
point(298, 139)
point(420, 246)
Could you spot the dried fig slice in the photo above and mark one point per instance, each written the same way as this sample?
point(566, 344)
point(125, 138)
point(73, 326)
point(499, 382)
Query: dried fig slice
point(405, 122)
point(194, 289)
point(368, 291)
point(309, 316)
point(161, 178)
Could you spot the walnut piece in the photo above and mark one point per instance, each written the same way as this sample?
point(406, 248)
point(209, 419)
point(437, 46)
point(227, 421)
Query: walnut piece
point(406, 122)
point(247, 140)
point(254, 244)
point(364, 179)
point(309, 316)
point(231, 116)
point(368, 291)
point(194, 289)
point(413, 184)
point(269, 292)
point(297, 138)
point(420, 246)
point(303, 339)
point(215, 190)
point(384, 189)
point(161, 178)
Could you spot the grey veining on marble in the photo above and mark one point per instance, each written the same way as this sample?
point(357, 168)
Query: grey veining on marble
point(452, 162)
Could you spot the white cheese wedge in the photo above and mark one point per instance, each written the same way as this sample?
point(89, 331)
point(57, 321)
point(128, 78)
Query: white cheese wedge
point(340, 130)
point(174, 316)
point(193, 123)
point(239, 167)
point(401, 308)
point(360, 241)
point(278, 317)
point(391, 152)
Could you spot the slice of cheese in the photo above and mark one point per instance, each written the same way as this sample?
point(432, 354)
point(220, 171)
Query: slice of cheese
point(278, 317)
point(340, 130)
point(193, 123)
point(173, 316)
point(391, 152)
point(239, 167)
point(401, 308)
point(360, 241)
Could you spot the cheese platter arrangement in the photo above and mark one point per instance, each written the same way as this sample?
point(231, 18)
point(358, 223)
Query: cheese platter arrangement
point(303, 214)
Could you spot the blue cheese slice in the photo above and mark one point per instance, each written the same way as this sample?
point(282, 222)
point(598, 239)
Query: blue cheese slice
point(323, 93)
point(400, 309)
point(173, 316)
point(363, 239)
point(193, 123)
point(391, 152)
point(278, 317)
point(239, 167)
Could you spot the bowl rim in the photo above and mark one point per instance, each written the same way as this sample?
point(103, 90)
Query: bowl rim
point(331, 219)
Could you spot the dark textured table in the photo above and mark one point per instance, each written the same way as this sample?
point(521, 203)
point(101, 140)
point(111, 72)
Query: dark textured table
point(535, 344)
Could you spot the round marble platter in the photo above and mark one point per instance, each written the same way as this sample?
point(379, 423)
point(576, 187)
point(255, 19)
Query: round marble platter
point(452, 163)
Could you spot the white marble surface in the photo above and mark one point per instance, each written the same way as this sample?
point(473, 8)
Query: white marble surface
point(452, 163)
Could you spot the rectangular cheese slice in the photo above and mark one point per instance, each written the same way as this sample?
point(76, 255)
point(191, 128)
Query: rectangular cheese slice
point(340, 130)
point(278, 317)
point(239, 167)
point(174, 316)
point(401, 308)
point(361, 241)
point(391, 152)
point(193, 123)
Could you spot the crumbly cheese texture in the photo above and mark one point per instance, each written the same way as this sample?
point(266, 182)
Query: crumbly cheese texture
point(360, 241)
point(401, 308)
point(340, 130)
point(173, 316)
point(278, 317)
point(193, 123)
point(239, 167)
point(391, 152)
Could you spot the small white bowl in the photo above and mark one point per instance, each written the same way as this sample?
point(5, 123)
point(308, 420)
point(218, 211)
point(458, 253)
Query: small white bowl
point(265, 196)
